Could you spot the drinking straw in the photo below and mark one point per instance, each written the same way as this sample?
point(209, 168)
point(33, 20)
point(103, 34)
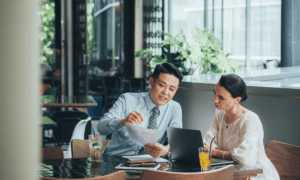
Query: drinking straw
point(93, 131)
point(211, 144)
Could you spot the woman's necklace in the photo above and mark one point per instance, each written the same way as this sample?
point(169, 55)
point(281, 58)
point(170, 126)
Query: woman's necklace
point(226, 117)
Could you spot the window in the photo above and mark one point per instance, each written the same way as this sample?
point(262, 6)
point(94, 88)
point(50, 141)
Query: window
point(251, 38)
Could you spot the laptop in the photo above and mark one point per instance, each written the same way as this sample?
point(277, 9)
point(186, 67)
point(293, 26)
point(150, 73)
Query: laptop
point(184, 144)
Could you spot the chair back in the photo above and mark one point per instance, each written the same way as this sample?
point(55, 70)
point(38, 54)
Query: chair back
point(50, 153)
point(285, 158)
point(66, 122)
point(224, 173)
point(80, 148)
point(119, 175)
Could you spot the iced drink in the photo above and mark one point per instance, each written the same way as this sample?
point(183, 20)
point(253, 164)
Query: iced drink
point(204, 158)
point(95, 143)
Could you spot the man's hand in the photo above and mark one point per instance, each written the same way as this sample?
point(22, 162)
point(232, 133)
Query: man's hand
point(156, 150)
point(134, 117)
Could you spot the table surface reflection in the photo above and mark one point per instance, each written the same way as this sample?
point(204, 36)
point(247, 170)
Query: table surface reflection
point(84, 168)
point(68, 101)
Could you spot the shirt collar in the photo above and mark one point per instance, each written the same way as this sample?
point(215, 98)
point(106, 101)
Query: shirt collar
point(149, 103)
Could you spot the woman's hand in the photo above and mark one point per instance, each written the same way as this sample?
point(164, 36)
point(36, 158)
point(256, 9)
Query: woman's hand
point(213, 150)
point(207, 146)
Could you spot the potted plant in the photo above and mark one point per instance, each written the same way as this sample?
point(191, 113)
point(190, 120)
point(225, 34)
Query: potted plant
point(205, 53)
point(174, 50)
point(208, 54)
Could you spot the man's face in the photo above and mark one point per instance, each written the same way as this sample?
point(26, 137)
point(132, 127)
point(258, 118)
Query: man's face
point(163, 88)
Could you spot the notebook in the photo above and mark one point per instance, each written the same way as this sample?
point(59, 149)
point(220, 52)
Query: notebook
point(184, 144)
point(136, 169)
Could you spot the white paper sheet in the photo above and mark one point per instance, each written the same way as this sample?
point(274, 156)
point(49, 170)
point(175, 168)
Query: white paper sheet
point(141, 135)
point(145, 156)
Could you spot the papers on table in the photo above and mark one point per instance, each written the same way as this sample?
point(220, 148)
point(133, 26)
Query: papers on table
point(143, 157)
point(125, 168)
point(141, 135)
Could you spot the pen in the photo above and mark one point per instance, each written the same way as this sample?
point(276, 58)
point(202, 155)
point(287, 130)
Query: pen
point(137, 109)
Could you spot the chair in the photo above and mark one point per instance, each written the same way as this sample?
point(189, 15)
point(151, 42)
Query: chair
point(66, 123)
point(119, 175)
point(224, 173)
point(50, 153)
point(80, 148)
point(286, 159)
point(71, 125)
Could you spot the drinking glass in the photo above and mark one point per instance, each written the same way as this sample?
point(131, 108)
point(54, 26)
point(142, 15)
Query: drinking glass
point(95, 143)
point(204, 158)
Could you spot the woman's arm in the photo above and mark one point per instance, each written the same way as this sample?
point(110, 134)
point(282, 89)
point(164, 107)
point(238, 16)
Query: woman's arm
point(218, 153)
point(222, 154)
point(212, 132)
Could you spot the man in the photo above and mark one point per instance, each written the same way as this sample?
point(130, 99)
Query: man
point(155, 107)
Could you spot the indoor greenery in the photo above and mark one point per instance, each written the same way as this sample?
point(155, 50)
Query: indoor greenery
point(205, 53)
point(47, 18)
point(90, 31)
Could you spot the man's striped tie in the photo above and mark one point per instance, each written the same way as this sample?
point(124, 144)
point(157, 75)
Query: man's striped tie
point(152, 123)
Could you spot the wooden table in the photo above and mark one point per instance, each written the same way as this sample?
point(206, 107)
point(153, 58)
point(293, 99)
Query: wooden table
point(50, 101)
point(83, 168)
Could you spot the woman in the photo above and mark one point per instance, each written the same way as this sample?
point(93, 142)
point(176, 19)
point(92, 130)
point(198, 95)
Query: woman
point(238, 131)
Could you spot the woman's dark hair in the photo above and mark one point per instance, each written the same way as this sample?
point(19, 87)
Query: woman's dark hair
point(168, 69)
point(235, 85)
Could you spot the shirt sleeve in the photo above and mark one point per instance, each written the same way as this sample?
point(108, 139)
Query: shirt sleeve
point(213, 131)
point(176, 119)
point(246, 152)
point(111, 120)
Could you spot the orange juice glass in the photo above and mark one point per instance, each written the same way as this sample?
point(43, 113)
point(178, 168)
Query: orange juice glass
point(204, 158)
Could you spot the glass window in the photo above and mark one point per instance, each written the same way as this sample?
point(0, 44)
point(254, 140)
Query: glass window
point(265, 32)
point(106, 18)
point(185, 15)
point(228, 20)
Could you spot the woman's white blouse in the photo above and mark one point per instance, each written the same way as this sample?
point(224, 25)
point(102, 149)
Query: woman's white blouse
point(244, 138)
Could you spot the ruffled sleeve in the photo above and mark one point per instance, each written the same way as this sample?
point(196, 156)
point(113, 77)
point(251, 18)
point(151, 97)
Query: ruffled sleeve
point(246, 152)
point(213, 131)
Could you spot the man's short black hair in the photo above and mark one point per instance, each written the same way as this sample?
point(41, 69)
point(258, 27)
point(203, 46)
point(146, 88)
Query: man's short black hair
point(168, 69)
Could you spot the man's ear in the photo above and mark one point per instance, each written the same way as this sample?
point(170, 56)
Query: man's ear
point(151, 81)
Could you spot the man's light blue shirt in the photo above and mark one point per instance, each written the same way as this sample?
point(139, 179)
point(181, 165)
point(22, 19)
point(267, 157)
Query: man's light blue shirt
point(169, 115)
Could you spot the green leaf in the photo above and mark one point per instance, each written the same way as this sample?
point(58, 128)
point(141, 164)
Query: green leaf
point(96, 144)
point(144, 53)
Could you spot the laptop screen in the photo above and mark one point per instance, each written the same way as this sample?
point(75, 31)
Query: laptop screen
point(184, 144)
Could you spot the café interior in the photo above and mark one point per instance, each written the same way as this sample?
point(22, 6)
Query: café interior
point(65, 63)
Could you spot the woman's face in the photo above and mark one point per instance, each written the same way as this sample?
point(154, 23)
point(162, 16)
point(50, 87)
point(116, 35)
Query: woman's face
point(223, 99)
